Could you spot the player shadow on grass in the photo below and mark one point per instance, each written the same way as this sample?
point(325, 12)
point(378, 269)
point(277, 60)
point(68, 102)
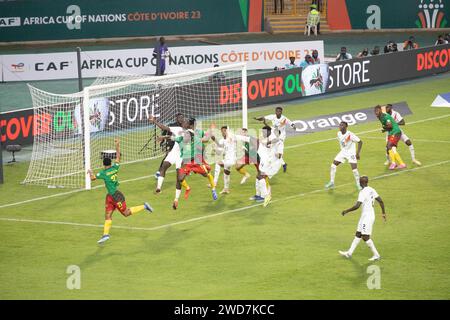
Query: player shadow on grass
point(168, 240)
point(360, 270)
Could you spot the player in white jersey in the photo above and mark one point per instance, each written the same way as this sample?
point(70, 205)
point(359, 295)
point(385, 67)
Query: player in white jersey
point(401, 122)
point(269, 163)
point(366, 198)
point(228, 144)
point(347, 140)
point(278, 122)
point(174, 155)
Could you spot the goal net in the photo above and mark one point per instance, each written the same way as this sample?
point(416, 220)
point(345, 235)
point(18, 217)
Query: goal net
point(72, 130)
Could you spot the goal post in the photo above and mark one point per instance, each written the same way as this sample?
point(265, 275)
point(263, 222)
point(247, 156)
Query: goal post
point(72, 131)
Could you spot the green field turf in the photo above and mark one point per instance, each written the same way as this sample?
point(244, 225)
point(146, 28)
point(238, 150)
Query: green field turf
point(233, 249)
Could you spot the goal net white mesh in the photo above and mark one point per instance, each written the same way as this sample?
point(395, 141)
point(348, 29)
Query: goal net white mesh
point(72, 130)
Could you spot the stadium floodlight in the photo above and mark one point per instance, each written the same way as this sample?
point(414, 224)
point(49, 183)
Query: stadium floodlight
point(71, 130)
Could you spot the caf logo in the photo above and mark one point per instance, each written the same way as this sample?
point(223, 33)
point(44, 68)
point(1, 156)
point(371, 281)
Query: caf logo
point(431, 14)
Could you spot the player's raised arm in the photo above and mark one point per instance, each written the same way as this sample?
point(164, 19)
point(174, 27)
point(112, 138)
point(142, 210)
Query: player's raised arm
point(383, 212)
point(355, 207)
point(360, 143)
point(152, 119)
point(117, 142)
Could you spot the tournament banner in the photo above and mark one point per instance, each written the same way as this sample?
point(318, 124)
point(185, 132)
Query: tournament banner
point(43, 20)
point(331, 121)
point(383, 14)
point(385, 68)
point(63, 65)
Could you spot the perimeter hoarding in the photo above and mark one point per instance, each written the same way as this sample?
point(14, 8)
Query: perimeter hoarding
point(63, 65)
point(84, 19)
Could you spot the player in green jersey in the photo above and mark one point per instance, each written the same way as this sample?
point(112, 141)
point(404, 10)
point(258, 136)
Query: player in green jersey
point(394, 136)
point(114, 198)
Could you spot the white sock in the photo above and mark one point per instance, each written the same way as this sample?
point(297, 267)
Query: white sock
point(177, 194)
point(332, 172)
point(387, 158)
point(371, 245)
point(226, 181)
point(282, 161)
point(160, 182)
point(356, 175)
point(257, 188)
point(354, 245)
point(216, 174)
point(263, 187)
point(411, 150)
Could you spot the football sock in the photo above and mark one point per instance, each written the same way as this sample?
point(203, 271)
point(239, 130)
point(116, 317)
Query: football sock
point(268, 185)
point(371, 245)
point(397, 157)
point(160, 182)
point(226, 181)
point(354, 245)
point(391, 156)
point(107, 227)
point(332, 172)
point(177, 194)
point(263, 187)
point(185, 185)
point(216, 174)
point(211, 181)
point(257, 188)
point(411, 150)
point(243, 171)
point(136, 209)
point(282, 161)
point(356, 175)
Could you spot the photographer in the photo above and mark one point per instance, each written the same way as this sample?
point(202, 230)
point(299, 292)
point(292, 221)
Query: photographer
point(375, 51)
point(390, 47)
point(343, 55)
point(440, 40)
point(363, 53)
point(410, 44)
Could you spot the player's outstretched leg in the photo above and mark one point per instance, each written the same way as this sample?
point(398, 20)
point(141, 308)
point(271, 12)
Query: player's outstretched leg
point(333, 168)
point(412, 152)
point(226, 181)
point(162, 174)
point(106, 227)
point(244, 172)
point(348, 254)
point(376, 256)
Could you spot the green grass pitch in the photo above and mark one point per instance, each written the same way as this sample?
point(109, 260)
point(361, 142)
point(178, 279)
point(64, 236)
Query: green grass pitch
point(233, 249)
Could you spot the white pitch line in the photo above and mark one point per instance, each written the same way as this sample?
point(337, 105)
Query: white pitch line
point(149, 176)
point(420, 140)
point(223, 212)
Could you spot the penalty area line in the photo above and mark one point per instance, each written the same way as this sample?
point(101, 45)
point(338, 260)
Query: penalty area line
point(209, 216)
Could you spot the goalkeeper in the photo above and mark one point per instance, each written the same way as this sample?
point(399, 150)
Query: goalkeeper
point(114, 198)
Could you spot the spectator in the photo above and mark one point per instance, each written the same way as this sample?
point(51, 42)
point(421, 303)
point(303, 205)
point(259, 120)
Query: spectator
point(343, 55)
point(447, 37)
point(291, 64)
point(307, 62)
point(313, 19)
point(275, 2)
point(391, 46)
point(410, 44)
point(441, 40)
point(363, 53)
point(315, 56)
point(161, 52)
point(375, 51)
